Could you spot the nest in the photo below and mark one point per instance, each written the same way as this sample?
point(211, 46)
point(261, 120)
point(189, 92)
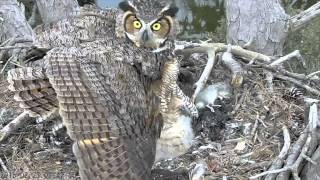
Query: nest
point(244, 136)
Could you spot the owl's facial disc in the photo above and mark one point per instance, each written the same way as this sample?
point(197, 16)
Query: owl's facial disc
point(151, 34)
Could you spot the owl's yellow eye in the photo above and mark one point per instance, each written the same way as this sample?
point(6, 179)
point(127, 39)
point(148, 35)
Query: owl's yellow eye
point(156, 26)
point(137, 24)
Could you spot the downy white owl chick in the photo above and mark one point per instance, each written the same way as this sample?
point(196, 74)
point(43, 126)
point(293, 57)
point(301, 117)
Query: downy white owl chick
point(208, 95)
point(177, 134)
point(177, 112)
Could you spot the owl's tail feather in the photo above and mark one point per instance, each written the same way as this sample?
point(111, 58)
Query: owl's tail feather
point(108, 159)
point(33, 91)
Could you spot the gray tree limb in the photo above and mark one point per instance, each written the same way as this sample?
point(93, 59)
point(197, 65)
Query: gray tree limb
point(302, 19)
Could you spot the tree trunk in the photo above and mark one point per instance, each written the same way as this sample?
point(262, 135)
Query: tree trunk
point(14, 30)
point(13, 23)
point(54, 10)
point(260, 24)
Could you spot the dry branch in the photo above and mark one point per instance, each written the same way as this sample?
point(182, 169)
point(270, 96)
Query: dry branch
point(4, 167)
point(235, 68)
point(298, 151)
point(205, 74)
point(211, 49)
point(13, 125)
point(189, 48)
point(299, 83)
point(302, 19)
point(278, 162)
point(249, 57)
point(14, 47)
point(294, 54)
point(311, 75)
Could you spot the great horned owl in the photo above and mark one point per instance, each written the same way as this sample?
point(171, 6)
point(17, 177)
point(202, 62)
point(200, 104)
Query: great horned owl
point(102, 86)
point(177, 134)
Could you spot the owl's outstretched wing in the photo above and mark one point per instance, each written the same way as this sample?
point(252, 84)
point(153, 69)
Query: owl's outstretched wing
point(33, 91)
point(104, 107)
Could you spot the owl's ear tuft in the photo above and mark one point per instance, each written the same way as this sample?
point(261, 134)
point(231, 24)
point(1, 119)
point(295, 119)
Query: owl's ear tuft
point(127, 6)
point(170, 10)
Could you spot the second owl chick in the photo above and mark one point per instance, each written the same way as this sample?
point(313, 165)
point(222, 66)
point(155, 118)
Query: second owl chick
point(208, 95)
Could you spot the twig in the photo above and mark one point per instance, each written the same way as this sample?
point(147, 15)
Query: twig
point(298, 150)
point(300, 20)
point(299, 83)
point(302, 144)
point(4, 167)
point(13, 125)
point(211, 49)
point(269, 79)
point(294, 54)
point(7, 63)
point(11, 42)
point(238, 51)
point(293, 168)
point(309, 76)
point(242, 98)
point(313, 117)
point(205, 74)
point(14, 47)
point(278, 162)
point(311, 171)
point(234, 66)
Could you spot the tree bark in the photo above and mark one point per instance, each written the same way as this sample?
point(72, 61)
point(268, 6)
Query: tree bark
point(54, 10)
point(13, 23)
point(260, 25)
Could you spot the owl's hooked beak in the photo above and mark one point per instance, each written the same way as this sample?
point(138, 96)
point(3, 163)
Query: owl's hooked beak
point(145, 36)
point(146, 39)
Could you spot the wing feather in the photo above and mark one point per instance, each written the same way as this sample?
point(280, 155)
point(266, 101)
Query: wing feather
point(32, 90)
point(104, 109)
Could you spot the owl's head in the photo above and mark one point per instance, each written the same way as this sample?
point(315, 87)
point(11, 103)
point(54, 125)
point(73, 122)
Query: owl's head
point(150, 27)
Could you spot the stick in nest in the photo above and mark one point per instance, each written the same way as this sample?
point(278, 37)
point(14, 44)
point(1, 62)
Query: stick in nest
point(18, 122)
point(278, 162)
point(298, 152)
point(205, 74)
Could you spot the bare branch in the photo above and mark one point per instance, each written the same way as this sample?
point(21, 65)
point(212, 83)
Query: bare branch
point(4, 167)
point(311, 75)
point(205, 74)
point(302, 19)
point(294, 54)
point(278, 162)
point(12, 42)
point(14, 47)
point(234, 66)
point(300, 84)
point(238, 51)
point(13, 125)
point(300, 148)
